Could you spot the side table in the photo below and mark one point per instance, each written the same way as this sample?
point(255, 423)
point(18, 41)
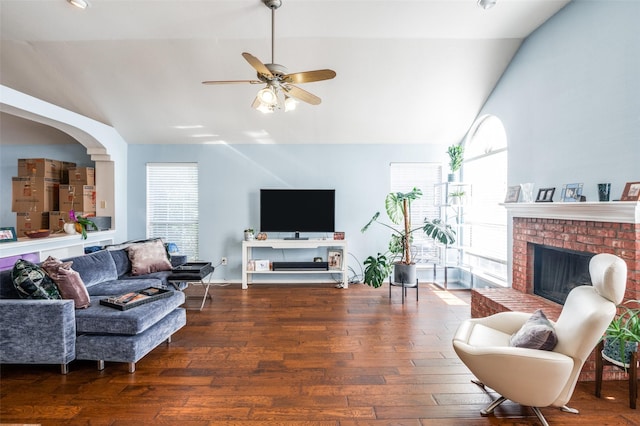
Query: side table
point(632, 371)
point(195, 273)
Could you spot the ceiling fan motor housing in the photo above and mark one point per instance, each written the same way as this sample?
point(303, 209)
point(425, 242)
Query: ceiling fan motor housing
point(272, 4)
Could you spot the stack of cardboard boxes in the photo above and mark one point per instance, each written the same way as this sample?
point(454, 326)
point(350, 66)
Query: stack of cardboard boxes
point(45, 190)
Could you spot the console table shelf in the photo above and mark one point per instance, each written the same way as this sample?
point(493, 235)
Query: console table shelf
point(248, 246)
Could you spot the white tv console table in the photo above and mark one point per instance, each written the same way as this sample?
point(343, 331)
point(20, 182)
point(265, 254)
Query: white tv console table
point(247, 247)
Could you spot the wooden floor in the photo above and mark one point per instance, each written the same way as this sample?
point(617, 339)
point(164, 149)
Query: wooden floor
point(294, 355)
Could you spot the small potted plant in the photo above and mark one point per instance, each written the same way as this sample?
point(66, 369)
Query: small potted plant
point(456, 155)
point(249, 234)
point(398, 255)
point(623, 334)
point(456, 197)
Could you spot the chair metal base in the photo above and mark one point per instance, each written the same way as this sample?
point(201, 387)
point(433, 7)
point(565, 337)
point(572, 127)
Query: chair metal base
point(491, 407)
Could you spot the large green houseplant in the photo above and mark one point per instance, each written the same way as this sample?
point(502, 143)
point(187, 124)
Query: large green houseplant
point(398, 256)
point(623, 334)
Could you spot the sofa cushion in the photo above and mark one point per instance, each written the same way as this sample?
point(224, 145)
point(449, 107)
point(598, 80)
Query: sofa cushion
point(537, 333)
point(148, 257)
point(95, 268)
point(68, 281)
point(123, 264)
point(100, 319)
point(31, 281)
point(122, 286)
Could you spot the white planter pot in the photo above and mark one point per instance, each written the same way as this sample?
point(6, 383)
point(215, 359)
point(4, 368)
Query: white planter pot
point(69, 228)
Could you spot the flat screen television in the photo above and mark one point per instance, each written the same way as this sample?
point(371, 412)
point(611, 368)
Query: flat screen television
point(297, 210)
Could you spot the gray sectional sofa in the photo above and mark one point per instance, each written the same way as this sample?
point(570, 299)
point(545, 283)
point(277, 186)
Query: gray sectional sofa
point(54, 332)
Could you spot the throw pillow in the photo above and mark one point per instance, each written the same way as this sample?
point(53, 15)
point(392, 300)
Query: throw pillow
point(536, 333)
point(31, 282)
point(68, 281)
point(148, 257)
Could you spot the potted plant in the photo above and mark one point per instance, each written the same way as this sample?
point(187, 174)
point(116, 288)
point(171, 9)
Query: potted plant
point(249, 234)
point(398, 255)
point(456, 197)
point(623, 334)
point(456, 154)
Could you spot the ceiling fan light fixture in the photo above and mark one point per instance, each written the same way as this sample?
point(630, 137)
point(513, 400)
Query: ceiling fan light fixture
point(82, 4)
point(487, 4)
point(268, 96)
point(290, 104)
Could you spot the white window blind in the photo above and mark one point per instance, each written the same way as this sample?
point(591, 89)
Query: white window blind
point(172, 205)
point(405, 177)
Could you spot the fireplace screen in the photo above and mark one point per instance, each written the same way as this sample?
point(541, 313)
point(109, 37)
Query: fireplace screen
point(557, 271)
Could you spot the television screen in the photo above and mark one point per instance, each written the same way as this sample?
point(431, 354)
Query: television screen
point(297, 210)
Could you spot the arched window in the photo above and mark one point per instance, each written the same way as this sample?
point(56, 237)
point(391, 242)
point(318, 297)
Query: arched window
point(485, 168)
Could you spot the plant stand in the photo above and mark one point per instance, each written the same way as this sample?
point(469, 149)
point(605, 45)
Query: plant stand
point(404, 286)
point(632, 371)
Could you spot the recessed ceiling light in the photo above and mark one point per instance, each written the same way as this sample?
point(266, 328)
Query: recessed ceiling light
point(82, 4)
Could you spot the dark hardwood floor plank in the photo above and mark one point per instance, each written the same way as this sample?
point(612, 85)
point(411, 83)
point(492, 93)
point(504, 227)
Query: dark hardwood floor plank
point(294, 355)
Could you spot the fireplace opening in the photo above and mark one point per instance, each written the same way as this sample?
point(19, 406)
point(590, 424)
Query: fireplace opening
point(556, 271)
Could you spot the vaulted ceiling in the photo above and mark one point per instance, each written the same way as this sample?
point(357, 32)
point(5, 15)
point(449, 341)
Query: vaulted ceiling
point(408, 71)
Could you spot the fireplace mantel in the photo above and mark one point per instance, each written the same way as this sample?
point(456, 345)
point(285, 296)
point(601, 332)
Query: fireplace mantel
point(612, 211)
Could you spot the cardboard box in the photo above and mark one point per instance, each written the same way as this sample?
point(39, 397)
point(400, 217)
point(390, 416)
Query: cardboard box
point(34, 194)
point(82, 176)
point(64, 171)
point(78, 197)
point(28, 221)
point(39, 167)
point(57, 220)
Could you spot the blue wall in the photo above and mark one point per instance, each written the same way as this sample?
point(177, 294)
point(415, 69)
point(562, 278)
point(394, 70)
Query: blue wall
point(570, 100)
point(231, 177)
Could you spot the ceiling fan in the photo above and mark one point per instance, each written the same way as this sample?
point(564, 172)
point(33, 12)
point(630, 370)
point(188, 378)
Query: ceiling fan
point(279, 91)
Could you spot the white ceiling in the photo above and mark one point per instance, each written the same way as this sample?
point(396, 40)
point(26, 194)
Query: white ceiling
point(408, 71)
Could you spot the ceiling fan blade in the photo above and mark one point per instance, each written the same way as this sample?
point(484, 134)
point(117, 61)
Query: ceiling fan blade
point(309, 76)
point(257, 64)
point(232, 82)
point(302, 95)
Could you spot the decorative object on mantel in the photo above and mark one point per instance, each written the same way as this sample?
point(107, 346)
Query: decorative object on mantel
point(456, 155)
point(545, 195)
point(513, 193)
point(571, 192)
point(527, 192)
point(631, 192)
point(261, 236)
point(604, 191)
point(7, 234)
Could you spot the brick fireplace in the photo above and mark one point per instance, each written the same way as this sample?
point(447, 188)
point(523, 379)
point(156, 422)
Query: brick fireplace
point(612, 227)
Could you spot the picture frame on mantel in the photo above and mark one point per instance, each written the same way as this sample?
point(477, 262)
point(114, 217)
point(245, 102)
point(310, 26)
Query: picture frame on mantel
point(545, 195)
point(513, 193)
point(631, 192)
point(571, 192)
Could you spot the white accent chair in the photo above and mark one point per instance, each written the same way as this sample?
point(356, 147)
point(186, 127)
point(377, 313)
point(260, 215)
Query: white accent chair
point(538, 378)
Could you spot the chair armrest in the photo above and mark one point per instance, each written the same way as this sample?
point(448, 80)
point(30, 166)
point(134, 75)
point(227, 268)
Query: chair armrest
point(37, 331)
